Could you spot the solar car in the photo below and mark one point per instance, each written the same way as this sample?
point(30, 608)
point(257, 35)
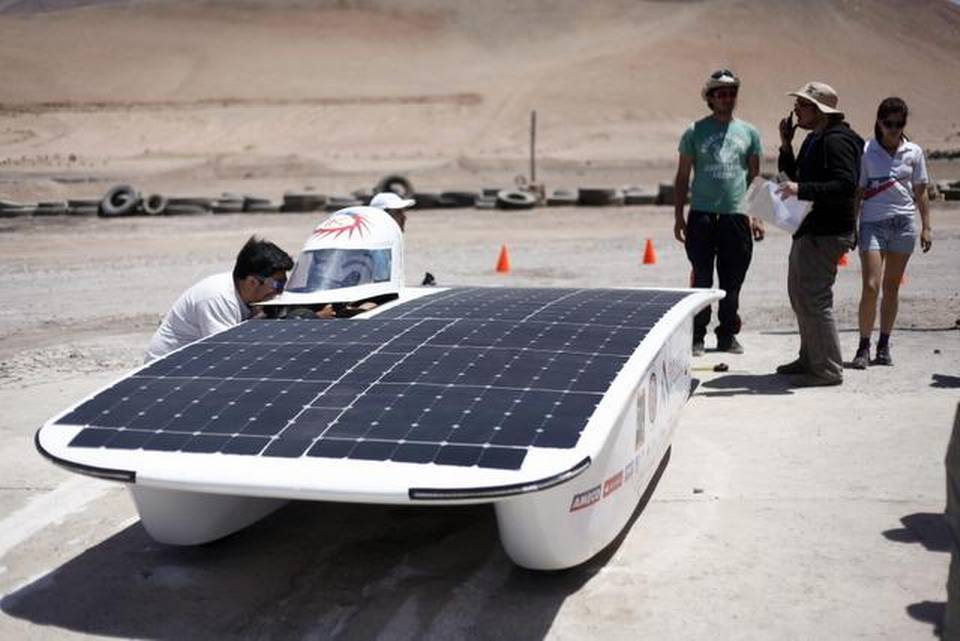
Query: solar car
point(555, 405)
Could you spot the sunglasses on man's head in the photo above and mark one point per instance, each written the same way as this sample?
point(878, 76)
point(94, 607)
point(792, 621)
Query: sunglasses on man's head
point(894, 124)
point(720, 73)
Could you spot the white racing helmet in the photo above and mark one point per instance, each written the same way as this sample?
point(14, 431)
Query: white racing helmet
point(356, 253)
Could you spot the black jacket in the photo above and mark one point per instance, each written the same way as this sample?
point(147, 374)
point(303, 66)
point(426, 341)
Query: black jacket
point(828, 171)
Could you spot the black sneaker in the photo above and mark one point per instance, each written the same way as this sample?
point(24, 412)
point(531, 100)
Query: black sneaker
point(729, 344)
point(883, 356)
point(698, 348)
point(861, 360)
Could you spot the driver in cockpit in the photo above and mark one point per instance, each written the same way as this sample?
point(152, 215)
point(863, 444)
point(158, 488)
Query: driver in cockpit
point(351, 264)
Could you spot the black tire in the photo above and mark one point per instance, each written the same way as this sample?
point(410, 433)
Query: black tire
point(154, 204)
point(458, 198)
point(121, 200)
point(54, 208)
point(9, 204)
point(665, 194)
point(339, 202)
point(16, 212)
point(261, 208)
point(596, 197)
point(563, 198)
point(83, 211)
point(637, 196)
point(83, 202)
point(184, 210)
point(396, 183)
point(227, 206)
point(295, 202)
point(254, 203)
point(426, 200)
point(515, 199)
point(191, 201)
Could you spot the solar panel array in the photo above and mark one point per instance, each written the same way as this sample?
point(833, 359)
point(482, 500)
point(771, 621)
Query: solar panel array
point(466, 377)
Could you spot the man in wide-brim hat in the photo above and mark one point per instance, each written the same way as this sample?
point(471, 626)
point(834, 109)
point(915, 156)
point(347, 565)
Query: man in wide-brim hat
point(826, 171)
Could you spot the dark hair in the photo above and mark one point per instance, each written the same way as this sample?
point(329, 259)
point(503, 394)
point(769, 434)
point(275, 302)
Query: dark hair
point(260, 258)
point(889, 107)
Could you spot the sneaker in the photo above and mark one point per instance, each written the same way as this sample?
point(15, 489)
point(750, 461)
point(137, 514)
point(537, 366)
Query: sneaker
point(883, 356)
point(793, 367)
point(698, 348)
point(729, 344)
point(809, 380)
point(861, 360)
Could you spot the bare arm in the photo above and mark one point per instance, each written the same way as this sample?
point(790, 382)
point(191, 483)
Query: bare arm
point(857, 212)
point(923, 206)
point(680, 186)
point(753, 170)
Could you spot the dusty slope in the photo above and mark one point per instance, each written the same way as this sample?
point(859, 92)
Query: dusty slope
point(227, 89)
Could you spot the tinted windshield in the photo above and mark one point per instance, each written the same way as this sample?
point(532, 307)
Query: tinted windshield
point(336, 268)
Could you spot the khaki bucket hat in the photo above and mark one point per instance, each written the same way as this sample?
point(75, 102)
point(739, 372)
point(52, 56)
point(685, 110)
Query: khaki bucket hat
point(820, 94)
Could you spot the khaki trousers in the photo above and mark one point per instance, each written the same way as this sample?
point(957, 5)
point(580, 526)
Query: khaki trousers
point(812, 272)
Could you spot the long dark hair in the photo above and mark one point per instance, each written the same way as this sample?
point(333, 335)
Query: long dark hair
point(890, 106)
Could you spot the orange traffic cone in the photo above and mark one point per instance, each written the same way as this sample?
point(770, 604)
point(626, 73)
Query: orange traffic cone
point(649, 256)
point(843, 260)
point(503, 262)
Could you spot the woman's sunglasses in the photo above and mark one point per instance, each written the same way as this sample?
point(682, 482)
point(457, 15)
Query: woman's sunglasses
point(894, 124)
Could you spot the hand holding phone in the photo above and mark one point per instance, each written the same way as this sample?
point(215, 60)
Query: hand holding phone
point(786, 129)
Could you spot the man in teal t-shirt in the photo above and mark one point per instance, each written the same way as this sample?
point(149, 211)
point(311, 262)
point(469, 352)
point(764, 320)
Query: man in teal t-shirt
point(724, 154)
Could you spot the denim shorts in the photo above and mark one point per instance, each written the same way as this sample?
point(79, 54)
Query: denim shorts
point(897, 234)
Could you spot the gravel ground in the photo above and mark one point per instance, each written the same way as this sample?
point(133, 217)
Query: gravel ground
point(786, 514)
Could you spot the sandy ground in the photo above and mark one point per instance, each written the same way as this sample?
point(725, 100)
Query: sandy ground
point(794, 514)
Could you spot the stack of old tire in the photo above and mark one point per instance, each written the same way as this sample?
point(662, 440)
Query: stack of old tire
point(303, 202)
point(13, 209)
point(950, 190)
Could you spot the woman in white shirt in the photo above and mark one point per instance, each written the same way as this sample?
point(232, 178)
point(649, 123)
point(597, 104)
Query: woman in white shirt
point(893, 188)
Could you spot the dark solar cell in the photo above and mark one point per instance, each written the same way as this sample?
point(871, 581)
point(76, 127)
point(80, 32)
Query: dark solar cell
point(464, 377)
point(167, 441)
point(245, 445)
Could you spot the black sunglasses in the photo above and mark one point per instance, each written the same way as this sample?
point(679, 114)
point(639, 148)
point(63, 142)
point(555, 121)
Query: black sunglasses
point(720, 73)
point(894, 124)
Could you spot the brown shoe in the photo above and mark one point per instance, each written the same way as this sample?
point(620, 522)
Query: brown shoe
point(795, 367)
point(809, 380)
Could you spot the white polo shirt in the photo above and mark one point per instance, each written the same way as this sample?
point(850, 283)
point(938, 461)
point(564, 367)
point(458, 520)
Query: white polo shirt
point(887, 180)
point(210, 306)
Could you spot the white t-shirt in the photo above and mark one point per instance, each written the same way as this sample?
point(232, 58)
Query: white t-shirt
point(210, 306)
point(887, 180)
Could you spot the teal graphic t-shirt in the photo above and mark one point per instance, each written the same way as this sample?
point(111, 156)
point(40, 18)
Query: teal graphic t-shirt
point(720, 152)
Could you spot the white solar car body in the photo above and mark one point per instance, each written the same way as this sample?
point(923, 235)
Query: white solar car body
point(556, 406)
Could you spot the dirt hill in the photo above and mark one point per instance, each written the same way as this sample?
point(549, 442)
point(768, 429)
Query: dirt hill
point(143, 88)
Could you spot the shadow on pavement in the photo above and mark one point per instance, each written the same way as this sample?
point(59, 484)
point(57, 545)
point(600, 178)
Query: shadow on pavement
point(736, 384)
point(926, 528)
point(930, 530)
point(928, 612)
point(945, 381)
point(313, 570)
